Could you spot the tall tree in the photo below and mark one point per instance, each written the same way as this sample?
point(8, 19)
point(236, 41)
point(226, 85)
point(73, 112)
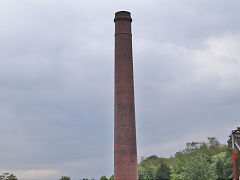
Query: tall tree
point(163, 172)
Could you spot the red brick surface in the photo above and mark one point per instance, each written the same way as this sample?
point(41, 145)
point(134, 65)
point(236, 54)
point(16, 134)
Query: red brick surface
point(125, 151)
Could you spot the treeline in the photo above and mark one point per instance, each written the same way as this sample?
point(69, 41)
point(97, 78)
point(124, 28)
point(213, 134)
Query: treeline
point(101, 178)
point(208, 160)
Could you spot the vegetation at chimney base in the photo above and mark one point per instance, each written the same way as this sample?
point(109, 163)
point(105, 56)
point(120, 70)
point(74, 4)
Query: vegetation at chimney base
point(208, 160)
point(199, 160)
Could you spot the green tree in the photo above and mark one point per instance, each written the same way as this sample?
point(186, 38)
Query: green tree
point(220, 170)
point(103, 178)
point(148, 174)
point(111, 178)
point(198, 167)
point(152, 161)
point(140, 173)
point(145, 173)
point(163, 172)
point(199, 160)
point(65, 178)
point(177, 176)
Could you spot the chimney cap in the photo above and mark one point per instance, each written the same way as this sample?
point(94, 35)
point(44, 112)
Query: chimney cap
point(123, 15)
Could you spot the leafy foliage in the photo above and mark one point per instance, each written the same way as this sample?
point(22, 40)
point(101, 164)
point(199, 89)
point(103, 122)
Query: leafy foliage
point(163, 172)
point(199, 160)
point(103, 178)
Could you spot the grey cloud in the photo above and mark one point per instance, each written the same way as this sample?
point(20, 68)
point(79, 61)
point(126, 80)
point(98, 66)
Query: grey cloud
point(56, 80)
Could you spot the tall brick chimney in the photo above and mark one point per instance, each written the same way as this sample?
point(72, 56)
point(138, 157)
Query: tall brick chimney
point(125, 150)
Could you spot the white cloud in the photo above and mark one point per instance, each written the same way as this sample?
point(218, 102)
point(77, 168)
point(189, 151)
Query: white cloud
point(219, 60)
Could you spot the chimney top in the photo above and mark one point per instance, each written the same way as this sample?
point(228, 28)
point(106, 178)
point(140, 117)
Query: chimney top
point(123, 15)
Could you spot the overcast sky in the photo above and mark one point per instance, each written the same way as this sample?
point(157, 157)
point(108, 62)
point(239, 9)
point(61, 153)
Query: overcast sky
point(57, 74)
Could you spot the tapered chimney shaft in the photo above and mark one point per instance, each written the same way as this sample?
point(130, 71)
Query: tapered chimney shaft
point(125, 150)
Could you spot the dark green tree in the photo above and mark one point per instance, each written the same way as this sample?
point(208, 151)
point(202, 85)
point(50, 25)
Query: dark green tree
point(220, 169)
point(163, 172)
